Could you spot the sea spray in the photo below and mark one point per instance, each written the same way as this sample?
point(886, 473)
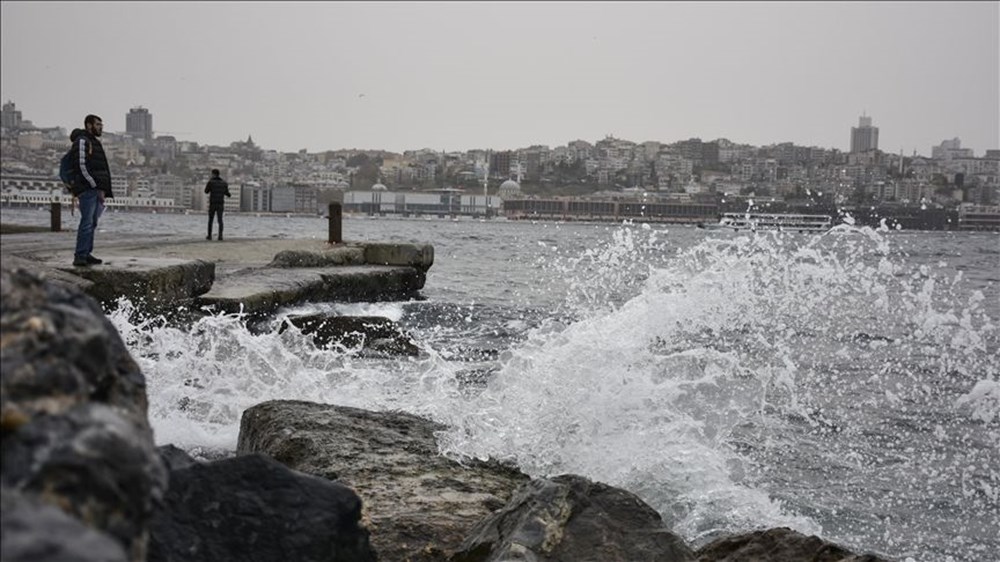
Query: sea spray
point(201, 378)
point(749, 357)
point(842, 384)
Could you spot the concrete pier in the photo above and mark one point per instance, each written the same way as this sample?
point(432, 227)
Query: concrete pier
point(162, 273)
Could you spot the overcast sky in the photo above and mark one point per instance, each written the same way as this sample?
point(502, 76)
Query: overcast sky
point(504, 75)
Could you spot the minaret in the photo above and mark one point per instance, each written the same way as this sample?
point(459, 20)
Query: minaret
point(486, 172)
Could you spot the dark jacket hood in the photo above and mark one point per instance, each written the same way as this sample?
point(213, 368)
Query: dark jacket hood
point(77, 133)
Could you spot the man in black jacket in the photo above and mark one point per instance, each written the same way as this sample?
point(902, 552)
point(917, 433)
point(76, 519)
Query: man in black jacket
point(94, 176)
point(217, 188)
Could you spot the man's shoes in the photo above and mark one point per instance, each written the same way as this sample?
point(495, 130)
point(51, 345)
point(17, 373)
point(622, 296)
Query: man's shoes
point(220, 237)
point(94, 261)
point(209, 237)
point(81, 262)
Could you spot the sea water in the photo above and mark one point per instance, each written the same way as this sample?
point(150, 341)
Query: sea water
point(844, 384)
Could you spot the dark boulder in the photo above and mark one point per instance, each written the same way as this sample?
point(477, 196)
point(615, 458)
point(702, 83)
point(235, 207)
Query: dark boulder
point(419, 504)
point(373, 334)
point(92, 462)
point(175, 458)
point(572, 519)
point(252, 508)
point(33, 531)
point(60, 350)
point(778, 545)
point(75, 434)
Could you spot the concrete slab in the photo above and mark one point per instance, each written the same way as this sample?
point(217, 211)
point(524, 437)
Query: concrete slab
point(262, 291)
point(257, 276)
point(153, 284)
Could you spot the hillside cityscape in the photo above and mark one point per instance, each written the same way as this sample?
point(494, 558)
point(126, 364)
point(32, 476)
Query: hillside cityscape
point(611, 178)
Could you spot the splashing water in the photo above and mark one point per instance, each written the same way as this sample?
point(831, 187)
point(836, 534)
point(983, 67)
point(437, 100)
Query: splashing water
point(753, 381)
point(838, 384)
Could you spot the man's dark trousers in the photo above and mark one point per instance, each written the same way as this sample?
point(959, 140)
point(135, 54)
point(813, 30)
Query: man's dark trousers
point(213, 211)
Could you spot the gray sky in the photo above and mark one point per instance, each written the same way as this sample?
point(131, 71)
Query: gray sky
point(503, 75)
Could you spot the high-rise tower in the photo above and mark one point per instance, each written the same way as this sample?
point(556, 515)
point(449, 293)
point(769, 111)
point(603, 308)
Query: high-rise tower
point(11, 116)
point(864, 137)
point(139, 123)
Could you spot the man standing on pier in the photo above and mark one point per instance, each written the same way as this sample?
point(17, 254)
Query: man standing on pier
point(217, 188)
point(93, 172)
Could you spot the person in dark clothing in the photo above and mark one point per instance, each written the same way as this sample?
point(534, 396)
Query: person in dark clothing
point(94, 175)
point(217, 188)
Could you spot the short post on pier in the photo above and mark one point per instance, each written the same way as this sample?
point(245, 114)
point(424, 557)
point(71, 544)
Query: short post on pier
point(336, 224)
point(56, 212)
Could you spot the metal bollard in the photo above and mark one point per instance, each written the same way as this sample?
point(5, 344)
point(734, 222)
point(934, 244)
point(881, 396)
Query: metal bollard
point(56, 216)
point(336, 224)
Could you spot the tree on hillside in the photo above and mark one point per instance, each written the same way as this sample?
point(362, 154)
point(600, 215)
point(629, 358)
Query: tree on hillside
point(358, 160)
point(367, 173)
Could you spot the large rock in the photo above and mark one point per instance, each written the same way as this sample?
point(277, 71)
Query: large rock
point(571, 519)
point(419, 504)
point(33, 531)
point(59, 350)
point(374, 334)
point(252, 508)
point(46, 272)
point(175, 458)
point(73, 412)
point(778, 545)
point(91, 461)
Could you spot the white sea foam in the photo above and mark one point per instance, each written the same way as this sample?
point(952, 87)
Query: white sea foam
point(984, 401)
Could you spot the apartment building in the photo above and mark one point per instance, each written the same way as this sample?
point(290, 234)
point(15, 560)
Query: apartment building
point(864, 137)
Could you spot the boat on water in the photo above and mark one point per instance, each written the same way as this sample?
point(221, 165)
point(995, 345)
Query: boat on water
point(786, 222)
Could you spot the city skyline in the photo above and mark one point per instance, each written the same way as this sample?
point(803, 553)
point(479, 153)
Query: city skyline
point(464, 76)
point(142, 117)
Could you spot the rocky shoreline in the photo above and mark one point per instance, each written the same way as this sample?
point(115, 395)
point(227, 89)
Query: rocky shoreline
point(82, 479)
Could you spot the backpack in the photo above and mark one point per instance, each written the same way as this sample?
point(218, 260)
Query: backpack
point(67, 171)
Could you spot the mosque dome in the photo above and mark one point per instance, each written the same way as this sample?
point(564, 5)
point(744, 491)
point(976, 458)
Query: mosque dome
point(510, 187)
point(379, 187)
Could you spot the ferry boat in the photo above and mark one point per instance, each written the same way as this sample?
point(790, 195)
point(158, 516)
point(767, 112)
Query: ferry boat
point(785, 222)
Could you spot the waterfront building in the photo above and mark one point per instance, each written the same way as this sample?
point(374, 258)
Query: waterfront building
point(169, 186)
point(441, 203)
point(11, 183)
point(978, 217)
point(306, 198)
point(282, 199)
point(255, 197)
point(641, 209)
point(199, 199)
point(43, 199)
